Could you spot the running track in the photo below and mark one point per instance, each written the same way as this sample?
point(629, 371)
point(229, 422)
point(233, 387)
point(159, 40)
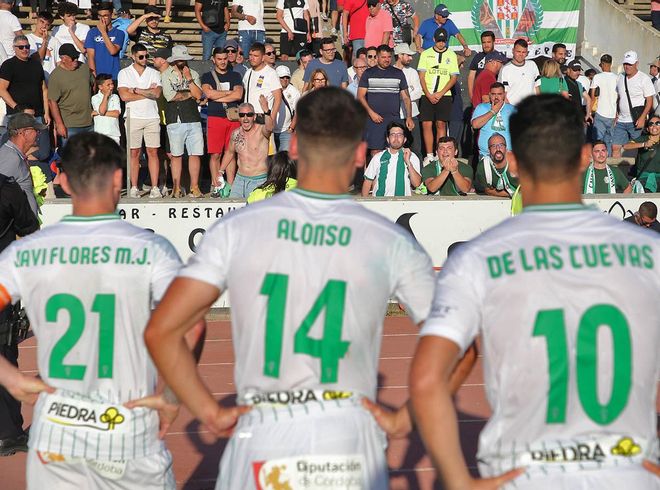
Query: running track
point(196, 454)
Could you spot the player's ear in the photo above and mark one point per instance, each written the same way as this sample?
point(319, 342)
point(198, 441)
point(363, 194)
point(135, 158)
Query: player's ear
point(117, 180)
point(585, 157)
point(360, 154)
point(513, 163)
point(64, 182)
point(293, 147)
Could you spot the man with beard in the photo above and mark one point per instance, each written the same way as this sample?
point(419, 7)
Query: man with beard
point(492, 117)
point(250, 143)
point(493, 177)
point(599, 177)
point(382, 175)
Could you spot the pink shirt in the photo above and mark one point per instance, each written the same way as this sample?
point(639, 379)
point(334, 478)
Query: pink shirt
point(375, 28)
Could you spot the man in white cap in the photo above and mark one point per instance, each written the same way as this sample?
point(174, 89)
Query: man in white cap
point(635, 91)
point(284, 119)
point(404, 56)
point(181, 89)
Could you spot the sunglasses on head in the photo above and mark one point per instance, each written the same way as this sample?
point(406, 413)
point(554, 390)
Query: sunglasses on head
point(246, 114)
point(143, 56)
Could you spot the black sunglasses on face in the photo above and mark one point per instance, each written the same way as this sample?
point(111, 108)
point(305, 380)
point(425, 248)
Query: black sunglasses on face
point(270, 53)
point(143, 56)
point(246, 114)
point(230, 50)
point(22, 46)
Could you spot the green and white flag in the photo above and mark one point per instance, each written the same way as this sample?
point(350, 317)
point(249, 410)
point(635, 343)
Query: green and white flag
point(541, 22)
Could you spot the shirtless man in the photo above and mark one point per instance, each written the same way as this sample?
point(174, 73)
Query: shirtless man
point(250, 142)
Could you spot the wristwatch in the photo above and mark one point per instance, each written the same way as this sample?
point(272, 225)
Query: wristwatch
point(268, 112)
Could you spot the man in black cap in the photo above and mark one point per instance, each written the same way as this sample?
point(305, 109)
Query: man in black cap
point(438, 72)
point(426, 32)
point(23, 132)
point(577, 92)
point(69, 94)
point(488, 76)
point(232, 48)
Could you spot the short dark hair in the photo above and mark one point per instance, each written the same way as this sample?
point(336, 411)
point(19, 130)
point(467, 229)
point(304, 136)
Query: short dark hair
point(557, 46)
point(521, 42)
point(590, 72)
point(327, 40)
point(137, 47)
point(547, 136)
point(384, 48)
point(395, 124)
point(102, 77)
point(218, 50)
point(67, 8)
point(45, 15)
point(371, 48)
point(486, 34)
point(260, 47)
point(88, 159)
point(105, 6)
point(361, 51)
point(22, 108)
point(330, 125)
point(497, 85)
point(648, 209)
point(448, 139)
point(598, 142)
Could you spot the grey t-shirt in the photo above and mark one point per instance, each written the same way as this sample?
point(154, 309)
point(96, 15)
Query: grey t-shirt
point(13, 164)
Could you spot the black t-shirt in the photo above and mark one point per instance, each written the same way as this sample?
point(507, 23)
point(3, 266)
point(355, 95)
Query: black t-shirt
point(574, 91)
point(218, 5)
point(16, 216)
point(231, 78)
point(152, 41)
point(25, 79)
point(655, 226)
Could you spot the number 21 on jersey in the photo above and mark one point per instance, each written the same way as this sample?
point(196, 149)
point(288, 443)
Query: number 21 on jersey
point(329, 349)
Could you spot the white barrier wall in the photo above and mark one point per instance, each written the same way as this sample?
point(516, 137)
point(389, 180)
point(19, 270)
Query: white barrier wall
point(436, 223)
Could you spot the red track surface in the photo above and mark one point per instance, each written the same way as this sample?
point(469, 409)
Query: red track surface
point(196, 453)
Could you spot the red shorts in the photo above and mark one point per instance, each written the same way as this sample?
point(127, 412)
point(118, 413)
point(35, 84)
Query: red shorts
point(218, 132)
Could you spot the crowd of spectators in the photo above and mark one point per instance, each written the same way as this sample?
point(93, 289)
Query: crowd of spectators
point(240, 110)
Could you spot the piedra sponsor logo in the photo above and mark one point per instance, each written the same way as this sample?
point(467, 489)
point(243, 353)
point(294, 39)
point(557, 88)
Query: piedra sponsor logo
point(310, 473)
point(296, 397)
point(577, 452)
point(84, 415)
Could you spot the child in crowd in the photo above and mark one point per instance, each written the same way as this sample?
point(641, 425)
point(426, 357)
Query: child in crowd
point(106, 108)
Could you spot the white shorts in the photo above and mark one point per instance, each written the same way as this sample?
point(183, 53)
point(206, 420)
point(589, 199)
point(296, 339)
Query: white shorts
point(311, 446)
point(605, 479)
point(54, 472)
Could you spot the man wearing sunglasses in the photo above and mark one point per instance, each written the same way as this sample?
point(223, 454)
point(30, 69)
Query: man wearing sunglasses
point(232, 48)
point(139, 86)
point(22, 82)
point(249, 146)
point(150, 35)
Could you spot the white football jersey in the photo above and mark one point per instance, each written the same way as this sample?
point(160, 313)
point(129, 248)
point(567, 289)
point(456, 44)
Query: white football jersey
point(88, 286)
point(309, 277)
point(566, 300)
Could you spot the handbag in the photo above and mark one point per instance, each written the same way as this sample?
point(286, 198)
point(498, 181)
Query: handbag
point(299, 25)
point(232, 112)
point(211, 17)
point(406, 29)
point(637, 111)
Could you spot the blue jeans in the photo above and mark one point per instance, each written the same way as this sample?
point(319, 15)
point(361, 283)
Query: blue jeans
point(282, 140)
point(357, 44)
point(603, 127)
point(212, 40)
point(72, 132)
point(247, 38)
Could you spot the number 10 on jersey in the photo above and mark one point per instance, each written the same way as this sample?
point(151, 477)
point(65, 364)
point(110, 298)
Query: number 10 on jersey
point(329, 349)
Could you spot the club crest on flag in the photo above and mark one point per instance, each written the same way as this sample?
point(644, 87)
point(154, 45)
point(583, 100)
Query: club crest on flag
point(508, 19)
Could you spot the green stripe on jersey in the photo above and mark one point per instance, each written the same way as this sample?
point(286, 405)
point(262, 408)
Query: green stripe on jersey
point(319, 195)
point(96, 217)
point(560, 206)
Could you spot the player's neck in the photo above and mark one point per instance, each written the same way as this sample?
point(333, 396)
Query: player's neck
point(537, 193)
point(93, 205)
point(600, 166)
point(324, 182)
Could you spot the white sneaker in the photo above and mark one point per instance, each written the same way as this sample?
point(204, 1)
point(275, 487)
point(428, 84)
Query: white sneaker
point(134, 193)
point(155, 193)
point(165, 191)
